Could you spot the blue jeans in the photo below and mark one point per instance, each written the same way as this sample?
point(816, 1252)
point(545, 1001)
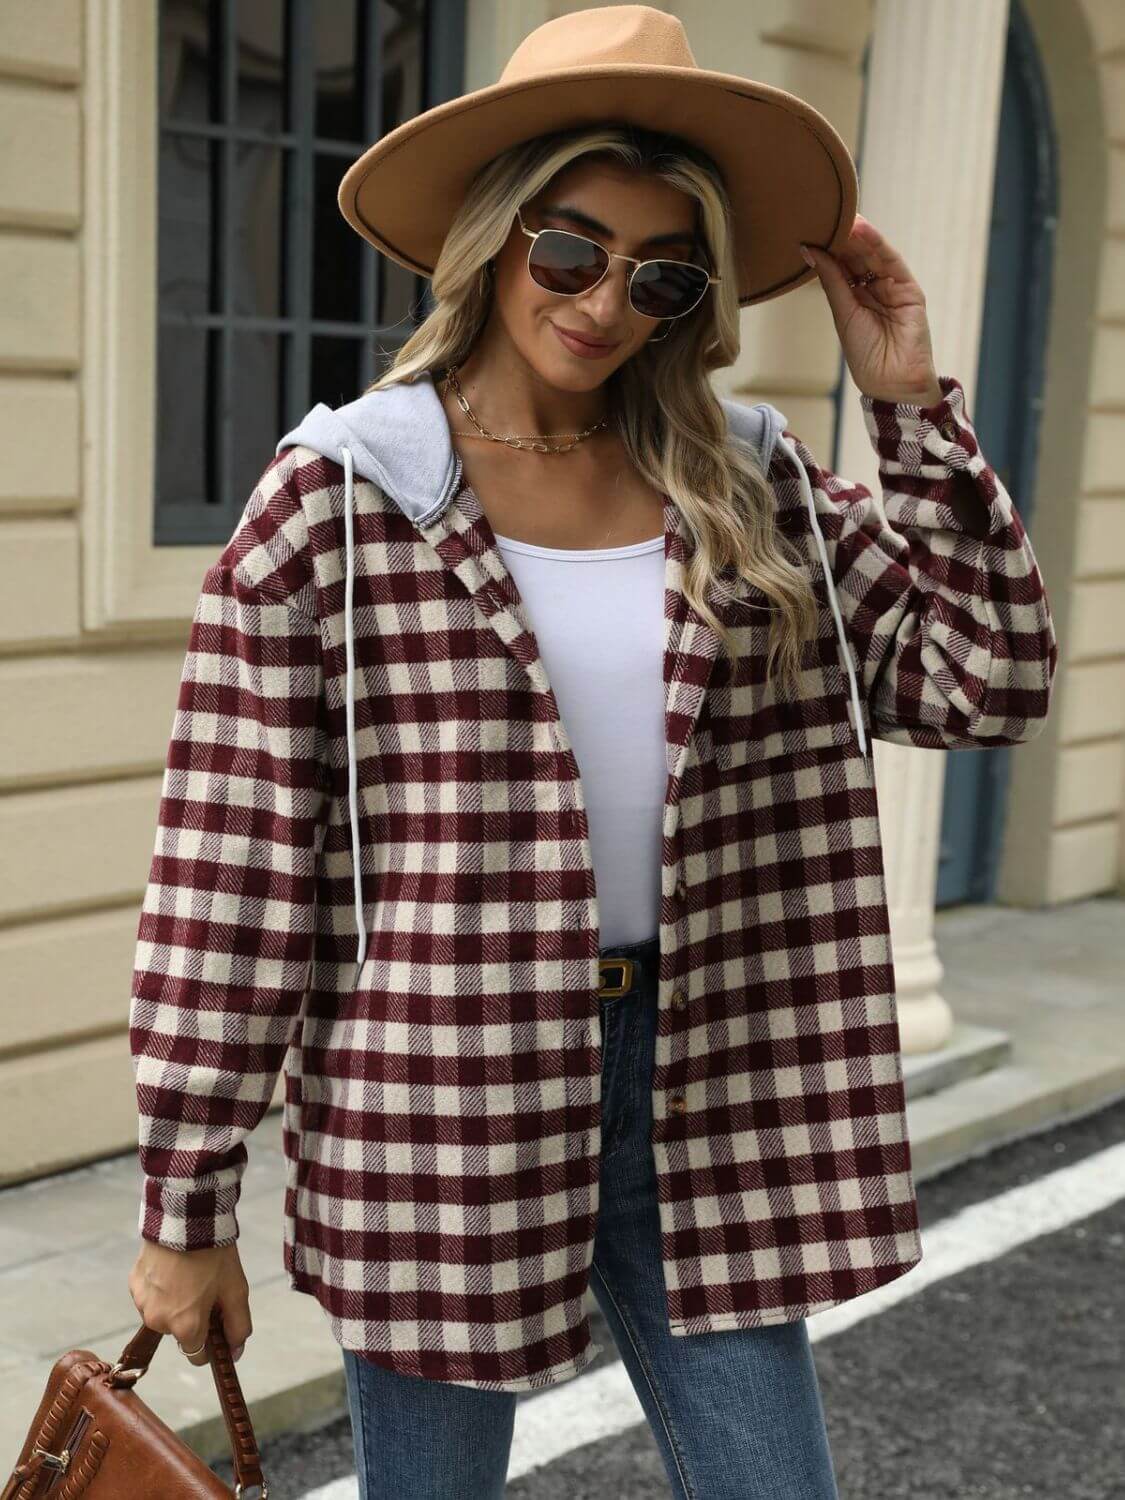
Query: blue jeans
point(736, 1414)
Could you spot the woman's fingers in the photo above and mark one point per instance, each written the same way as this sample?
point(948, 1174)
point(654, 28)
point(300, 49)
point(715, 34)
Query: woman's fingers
point(236, 1323)
point(833, 281)
point(193, 1337)
point(869, 250)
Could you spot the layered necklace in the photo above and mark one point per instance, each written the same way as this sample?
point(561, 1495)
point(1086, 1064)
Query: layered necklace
point(539, 442)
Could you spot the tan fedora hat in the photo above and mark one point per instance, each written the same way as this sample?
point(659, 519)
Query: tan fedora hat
point(788, 174)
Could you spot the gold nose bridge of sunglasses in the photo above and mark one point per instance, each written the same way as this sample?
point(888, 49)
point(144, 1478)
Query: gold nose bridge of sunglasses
point(704, 276)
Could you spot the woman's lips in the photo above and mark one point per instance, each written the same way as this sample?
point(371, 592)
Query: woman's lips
point(580, 346)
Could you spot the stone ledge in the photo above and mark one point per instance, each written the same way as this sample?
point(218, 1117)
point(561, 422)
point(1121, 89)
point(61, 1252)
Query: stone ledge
point(971, 1050)
point(980, 1114)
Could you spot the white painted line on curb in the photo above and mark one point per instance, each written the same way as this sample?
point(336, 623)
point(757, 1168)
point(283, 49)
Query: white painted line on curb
point(603, 1404)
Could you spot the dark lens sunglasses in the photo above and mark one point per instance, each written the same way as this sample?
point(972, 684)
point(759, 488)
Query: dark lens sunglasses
point(570, 264)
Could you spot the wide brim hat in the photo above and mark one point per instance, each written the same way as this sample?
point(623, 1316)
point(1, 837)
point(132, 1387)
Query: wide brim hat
point(788, 174)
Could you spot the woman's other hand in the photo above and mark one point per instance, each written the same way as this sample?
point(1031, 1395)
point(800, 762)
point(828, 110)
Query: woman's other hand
point(882, 325)
point(175, 1290)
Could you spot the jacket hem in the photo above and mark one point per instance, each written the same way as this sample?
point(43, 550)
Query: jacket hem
point(756, 1318)
point(552, 1375)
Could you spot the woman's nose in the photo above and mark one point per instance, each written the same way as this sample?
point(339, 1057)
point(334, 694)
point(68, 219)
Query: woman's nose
point(608, 302)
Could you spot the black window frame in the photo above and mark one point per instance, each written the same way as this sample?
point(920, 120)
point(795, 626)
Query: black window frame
point(214, 515)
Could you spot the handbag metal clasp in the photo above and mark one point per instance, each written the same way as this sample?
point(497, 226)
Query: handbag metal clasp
point(52, 1460)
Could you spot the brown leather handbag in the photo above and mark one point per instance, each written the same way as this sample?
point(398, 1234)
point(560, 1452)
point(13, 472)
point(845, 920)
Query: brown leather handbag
point(94, 1436)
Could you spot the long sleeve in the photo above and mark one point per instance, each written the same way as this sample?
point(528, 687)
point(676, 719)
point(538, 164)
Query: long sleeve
point(939, 589)
point(227, 923)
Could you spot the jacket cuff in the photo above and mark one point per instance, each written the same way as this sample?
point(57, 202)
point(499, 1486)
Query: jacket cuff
point(935, 443)
point(927, 441)
point(187, 1217)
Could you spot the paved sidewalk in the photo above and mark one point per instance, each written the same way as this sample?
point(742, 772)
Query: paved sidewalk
point(1050, 985)
point(1040, 1005)
point(67, 1244)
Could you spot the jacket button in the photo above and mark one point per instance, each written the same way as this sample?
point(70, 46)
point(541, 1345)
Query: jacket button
point(949, 430)
point(679, 1000)
point(677, 1104)
point(681, 891)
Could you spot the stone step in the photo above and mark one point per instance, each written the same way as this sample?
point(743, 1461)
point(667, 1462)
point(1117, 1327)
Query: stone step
point(971, 1051)
point(977, 1115)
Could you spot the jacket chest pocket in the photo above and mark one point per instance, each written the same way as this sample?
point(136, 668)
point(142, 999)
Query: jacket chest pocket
point(752, 721)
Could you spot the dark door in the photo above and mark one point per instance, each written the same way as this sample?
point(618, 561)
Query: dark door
point(1005, 411)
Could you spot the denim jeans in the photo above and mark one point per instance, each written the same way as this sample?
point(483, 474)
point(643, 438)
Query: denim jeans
point(736, 1414)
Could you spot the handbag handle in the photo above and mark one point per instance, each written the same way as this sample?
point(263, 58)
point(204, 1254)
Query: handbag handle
point(134, 1362)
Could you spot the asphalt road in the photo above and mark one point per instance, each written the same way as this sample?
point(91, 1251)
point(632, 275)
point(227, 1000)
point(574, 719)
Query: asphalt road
point(1004, 1380)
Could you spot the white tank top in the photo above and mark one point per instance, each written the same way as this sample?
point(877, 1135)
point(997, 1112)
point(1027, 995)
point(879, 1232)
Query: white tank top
point(598, 616)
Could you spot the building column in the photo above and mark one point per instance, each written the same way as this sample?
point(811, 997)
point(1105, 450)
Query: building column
point(932, 113)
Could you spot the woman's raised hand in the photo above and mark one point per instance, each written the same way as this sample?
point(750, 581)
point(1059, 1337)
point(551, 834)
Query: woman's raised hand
point(882, 325)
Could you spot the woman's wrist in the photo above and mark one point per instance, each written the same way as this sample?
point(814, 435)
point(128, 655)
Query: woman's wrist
point(931, 395)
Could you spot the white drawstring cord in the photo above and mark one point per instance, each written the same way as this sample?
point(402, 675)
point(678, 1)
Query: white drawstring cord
point(841, 633)
point(349, 703)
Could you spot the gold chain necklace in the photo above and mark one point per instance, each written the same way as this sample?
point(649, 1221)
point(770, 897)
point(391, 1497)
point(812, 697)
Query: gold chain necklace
point(539, 442)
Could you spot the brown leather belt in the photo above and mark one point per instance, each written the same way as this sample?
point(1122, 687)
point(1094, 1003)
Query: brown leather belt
point(615, 977)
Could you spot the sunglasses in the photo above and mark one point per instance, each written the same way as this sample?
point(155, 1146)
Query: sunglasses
point(570, 264)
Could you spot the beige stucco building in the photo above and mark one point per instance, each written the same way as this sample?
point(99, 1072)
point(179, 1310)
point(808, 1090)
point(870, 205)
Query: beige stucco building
point(94, 612)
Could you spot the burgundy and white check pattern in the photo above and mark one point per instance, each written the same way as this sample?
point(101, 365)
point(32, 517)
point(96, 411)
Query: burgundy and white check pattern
point(442, 1104)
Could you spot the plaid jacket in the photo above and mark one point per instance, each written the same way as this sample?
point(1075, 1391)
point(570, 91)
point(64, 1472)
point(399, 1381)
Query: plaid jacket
point(372, 871)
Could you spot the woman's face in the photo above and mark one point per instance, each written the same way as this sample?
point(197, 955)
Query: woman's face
point(632, 212)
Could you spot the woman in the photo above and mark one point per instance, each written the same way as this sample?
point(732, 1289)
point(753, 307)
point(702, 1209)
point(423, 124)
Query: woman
point(630, 1028)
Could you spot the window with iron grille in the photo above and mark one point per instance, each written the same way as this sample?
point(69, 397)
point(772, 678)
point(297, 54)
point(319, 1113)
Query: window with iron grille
point(268, 300)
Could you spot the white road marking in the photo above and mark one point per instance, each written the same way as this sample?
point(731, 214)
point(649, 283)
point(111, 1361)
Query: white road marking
point(985, 1231)
point(340, 1489)
point(603, 1403)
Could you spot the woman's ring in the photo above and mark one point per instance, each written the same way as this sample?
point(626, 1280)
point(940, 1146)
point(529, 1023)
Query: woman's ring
point(192, 1352)
point(863, 280)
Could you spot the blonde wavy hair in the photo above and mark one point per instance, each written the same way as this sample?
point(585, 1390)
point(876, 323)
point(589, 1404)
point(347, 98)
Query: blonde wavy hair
point(671, 422)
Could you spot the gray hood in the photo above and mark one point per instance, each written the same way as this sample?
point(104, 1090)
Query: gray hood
point(398, 437)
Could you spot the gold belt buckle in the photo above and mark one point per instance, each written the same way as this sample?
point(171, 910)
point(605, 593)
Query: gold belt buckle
point(624, 985)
